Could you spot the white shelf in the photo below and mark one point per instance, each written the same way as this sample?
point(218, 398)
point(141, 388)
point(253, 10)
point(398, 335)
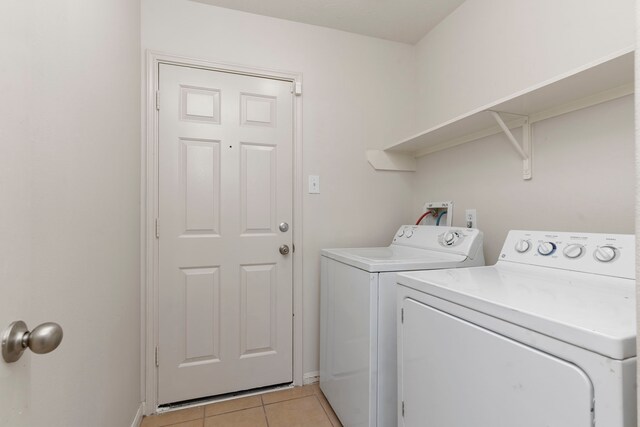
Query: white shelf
point(604, 80)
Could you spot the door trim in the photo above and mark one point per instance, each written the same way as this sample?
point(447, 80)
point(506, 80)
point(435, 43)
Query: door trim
point(149, 211)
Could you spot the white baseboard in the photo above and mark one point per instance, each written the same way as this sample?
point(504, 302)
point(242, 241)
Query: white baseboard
point(138, 418)
point(311, 377)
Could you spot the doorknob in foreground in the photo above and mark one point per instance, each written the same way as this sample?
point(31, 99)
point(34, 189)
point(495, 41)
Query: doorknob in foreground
point(16, 338)
point(284, 250)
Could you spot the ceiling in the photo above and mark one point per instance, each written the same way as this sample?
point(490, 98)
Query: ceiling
point(404, 21)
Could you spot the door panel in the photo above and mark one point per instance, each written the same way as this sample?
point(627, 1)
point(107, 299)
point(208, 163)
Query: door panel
point(258, 308)
point(258, 188)
point(225, 182)
point(456, 374)
point(200, 185)
point(202, 314)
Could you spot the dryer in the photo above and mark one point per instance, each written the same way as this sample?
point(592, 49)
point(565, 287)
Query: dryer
point(546, 337)
point(358, 361)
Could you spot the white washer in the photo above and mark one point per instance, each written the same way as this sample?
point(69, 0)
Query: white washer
point(358, 316)
point(546, 337)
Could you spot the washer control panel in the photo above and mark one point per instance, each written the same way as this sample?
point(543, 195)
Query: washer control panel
point(607, 254)
point(465, 241)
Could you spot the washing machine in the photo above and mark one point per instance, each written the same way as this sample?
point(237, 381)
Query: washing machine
point(358, 316)
point(545, 337)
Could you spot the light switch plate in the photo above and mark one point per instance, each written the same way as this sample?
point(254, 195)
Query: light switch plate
point(314, 184)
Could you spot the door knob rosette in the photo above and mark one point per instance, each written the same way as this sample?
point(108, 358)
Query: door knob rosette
point(42, 339)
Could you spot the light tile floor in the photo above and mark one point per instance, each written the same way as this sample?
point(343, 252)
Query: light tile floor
point(299, 406)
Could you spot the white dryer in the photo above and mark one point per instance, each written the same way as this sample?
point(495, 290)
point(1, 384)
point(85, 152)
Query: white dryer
point(358, 316)
point(546, 337)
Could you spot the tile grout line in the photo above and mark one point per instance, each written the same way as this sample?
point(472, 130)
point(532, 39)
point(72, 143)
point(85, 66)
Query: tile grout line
point(323, 410)
point(264, 411)
point(314, 393)
point(322, 406)
point(289, 400)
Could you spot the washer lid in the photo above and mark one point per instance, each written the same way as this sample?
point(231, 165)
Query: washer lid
point(587, 310)
point(394, 258)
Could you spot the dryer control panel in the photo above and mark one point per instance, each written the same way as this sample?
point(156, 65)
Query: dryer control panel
point(606, 254)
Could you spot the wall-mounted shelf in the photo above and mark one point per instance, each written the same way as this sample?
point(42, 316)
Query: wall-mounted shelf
point(601, 81)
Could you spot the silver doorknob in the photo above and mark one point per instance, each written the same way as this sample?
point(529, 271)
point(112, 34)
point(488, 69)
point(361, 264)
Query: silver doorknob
point(284, 250)
point(16, 338)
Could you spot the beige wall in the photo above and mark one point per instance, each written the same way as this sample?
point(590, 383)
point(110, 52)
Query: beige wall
point(358, 93)
point(69, 215)
point(582, 177)
point(637, 195)
point(582, 167)
point(488, 49)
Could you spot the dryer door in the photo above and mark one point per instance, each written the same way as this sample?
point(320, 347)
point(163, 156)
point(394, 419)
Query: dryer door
point(456, 374)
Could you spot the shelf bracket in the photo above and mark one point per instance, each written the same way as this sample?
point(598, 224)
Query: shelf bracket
point(523, 150)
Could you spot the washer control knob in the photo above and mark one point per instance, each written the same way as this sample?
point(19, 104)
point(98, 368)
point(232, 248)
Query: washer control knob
point(451, 238)
point(605, 253)
point(573, 251)
point(546, 248)
point(523, 246)
point(401, 233)
point(408, 233)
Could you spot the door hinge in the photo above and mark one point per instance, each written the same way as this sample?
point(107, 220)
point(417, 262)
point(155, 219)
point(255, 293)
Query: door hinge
point(157, 100)
point(403, 408)
point(157, 359)
point(157, 228)
point(297, 88)
point(402, 315)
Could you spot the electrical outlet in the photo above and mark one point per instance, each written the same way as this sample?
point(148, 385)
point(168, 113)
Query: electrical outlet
point(471, 220)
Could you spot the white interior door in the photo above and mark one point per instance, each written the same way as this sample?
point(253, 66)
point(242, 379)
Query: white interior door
point(15, 257)
point(225, 186)
point(456, 374)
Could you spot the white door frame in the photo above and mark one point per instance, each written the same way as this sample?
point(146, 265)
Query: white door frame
point(149, 213)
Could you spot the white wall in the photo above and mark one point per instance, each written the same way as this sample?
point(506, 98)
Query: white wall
point(582, 168)
point(70, 162)
point(637, 196)
point(582, 177)
point(358, 94)
point(488, 49)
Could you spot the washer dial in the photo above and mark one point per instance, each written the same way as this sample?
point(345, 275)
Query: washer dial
point(573, 251)
point(522, 246)
point(546, 248)
point(605, 253)
point(451, 238)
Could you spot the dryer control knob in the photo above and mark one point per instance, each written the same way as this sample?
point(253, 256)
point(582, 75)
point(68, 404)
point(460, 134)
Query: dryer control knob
point(573, 251)
point(408, 233)
point(546, 248)
point(605, 253)
point(401, 233)
point(523, 246)
point(451, 238)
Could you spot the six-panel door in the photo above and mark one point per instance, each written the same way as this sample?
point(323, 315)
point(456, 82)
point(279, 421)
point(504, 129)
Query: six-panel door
point(225, 184)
